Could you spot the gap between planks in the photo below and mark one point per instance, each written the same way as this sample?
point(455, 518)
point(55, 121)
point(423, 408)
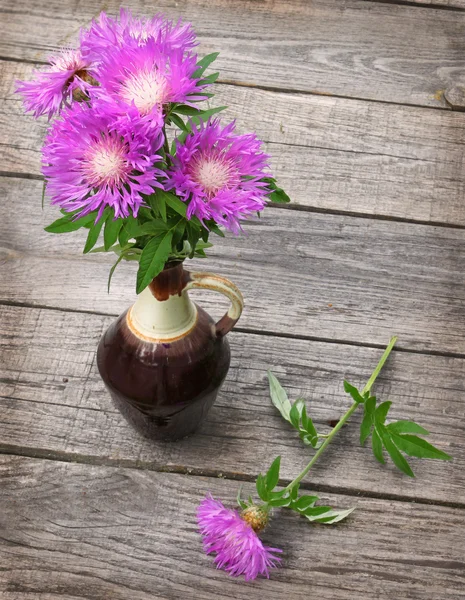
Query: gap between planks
point(259, 332)
point(281, 90)
point(299, 207)
point(86, 459)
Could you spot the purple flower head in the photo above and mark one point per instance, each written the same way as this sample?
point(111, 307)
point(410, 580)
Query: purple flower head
point(90, 164)
point(141, 80)
point(238, 549)
point(106, 33)
point(51, 89)
point(219, 173)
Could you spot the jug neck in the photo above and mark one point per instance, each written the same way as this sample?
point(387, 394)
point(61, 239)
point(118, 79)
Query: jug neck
point(163, 312)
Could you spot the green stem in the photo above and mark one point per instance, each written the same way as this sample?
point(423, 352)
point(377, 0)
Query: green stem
point(345, 418)
point(166, 147)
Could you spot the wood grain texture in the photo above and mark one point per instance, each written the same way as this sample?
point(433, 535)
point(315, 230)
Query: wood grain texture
point(52, 399)
point(326, 276)
point(328, 153)
point(80, 531)
point(350, 48)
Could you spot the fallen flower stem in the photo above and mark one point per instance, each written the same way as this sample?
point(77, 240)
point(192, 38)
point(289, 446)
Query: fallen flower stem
point(345, 417)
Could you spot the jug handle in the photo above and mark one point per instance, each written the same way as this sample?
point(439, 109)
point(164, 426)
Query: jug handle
point(210, 281)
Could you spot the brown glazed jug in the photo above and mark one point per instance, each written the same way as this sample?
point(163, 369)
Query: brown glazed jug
point(165, 359)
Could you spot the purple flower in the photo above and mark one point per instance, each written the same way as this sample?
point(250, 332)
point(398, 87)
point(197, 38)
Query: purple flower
point(90, 164)
point(238, 549)
point(107, 33)
point(141, 80)
point(53, 88)
point(219, 174)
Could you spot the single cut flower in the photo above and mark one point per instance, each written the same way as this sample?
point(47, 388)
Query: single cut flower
point(52, 88)
point(106, 33)
point(141, 80)
point(238, 549)
point(90, 164)
point(219, 174)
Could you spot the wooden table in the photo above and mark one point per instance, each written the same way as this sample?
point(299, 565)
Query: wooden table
point(353, 99)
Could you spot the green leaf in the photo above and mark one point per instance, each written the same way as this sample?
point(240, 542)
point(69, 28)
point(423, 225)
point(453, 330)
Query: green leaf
point(377, 447)
point(205, 62)
point(353, 391)
point(331, 516)
point(215, 229)
point(209, 79)
point(272, 476)
point(240, 502)
point(262, 490)
point(382, 411)
point(294, 414)
point(294, 491)
point(406, 427)
point(308, 425)
point(304, 502)
point(367, 422)
point(112, 270)
point(392, 450)
point(127, 231)
point(205, 114)
point(279, 397)
point(175, 203)
point(70, 223)
point(184, 109)
point(412, 445)
point(178, 122)
point(111, 231)
point(94, 233)
point(153, 228)
point(280, 502)
point(279, 197)
point(153, 259)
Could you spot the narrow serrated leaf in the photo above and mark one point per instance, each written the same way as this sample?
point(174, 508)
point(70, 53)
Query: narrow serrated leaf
point(382, 411)
point(279, 197)
point(176, 119)
point(240, 502)
point(205, 62)
point(333, 516)
point(367, 422)
point(153, 258)
point(261, 488)
point(353, 392)
point(272, 476)
point(175, 203)
point(280, 502)
point(406, 427)
point(279, 397)
point(111, 231)
point(397, 458)
point(304, 502)
point(377, 447)
point(70, 223)
point(307, 423)
point(417, 447)
point(294, 415)
point(112, 270)
point(94, 233)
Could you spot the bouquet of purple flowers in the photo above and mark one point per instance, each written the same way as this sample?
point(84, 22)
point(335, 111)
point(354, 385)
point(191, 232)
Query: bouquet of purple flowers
point(108, 161)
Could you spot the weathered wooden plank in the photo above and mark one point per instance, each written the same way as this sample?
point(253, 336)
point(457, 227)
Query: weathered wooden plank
point(331, 153)
point(52, 399)
point(328, 276)
point(82, 531)
point(356, 49)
